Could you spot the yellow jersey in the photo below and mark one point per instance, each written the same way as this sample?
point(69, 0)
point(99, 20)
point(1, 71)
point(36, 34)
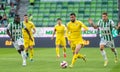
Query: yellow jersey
point(30, 26)
point(60, 30)
point(74, 31)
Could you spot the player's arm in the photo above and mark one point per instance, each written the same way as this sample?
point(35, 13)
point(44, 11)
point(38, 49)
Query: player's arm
point(65, 32)
point(28, 33)
point(68, 34)
point(34, 29)
point(8, 32)
point(92, 24)
point(116, 27)
point(84, 26)
point(53, 34)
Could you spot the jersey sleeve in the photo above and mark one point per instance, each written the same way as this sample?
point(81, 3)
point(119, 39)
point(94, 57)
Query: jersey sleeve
point(33, 26)
point(23, 25)
point(83, 25)
point(112, 23)
point(98, 23)
point(9, 26)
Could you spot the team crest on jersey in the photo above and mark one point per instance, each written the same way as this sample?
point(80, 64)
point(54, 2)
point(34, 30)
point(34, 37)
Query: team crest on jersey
point(76, 24)
point(108, 25)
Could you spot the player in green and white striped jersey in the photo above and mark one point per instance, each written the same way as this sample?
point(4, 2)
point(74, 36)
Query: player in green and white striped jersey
point(14, 30)
point(105, 27)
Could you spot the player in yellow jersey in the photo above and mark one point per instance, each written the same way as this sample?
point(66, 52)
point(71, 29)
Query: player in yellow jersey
point(27, 42)
point(75, 39)
point(59, 29)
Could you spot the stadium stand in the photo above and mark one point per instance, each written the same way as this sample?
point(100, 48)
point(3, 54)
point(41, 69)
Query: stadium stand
point(46, 12)
point(7, 8)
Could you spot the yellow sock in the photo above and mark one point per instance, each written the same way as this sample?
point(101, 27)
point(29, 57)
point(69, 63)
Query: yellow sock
point(80, 56)
point(74, 59)
point(64, 49)
point(57, 51)
point(31, 53)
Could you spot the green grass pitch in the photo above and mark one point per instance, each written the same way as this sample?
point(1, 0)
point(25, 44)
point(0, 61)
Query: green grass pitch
point(45, 61)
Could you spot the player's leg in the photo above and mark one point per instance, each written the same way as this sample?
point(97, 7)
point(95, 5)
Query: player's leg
point(104, 54)
point(57, 48)
point(31, 53)
point(17, 47)
point(73, 49)
point(21, 48)
point(23, 54)
point(63, 43)
point(72, 46)
point(112, 46)
point(75, 56)
point(26, 46)
point(64, 51)
point(57, 51)
point(26, 50)
point(102, 44)
point(20, 51)
point(32, 43)
point(115, 53)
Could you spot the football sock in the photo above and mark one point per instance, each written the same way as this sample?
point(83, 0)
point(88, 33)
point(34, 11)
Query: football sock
point(57, 51)
point(115, 53)
point(80, 56)
point(104, 54)
point(64, 49)
point(23, 54)
point(31, 53)
point(74, 59)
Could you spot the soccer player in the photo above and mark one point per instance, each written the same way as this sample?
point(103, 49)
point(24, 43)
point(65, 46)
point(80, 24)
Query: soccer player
point(105, 26)
point(59, 29)
point(14, 30)
point(75, 37)
point(28, 43)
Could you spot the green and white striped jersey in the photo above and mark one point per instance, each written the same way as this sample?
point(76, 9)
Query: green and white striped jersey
point(16, 30)
point(105, 29)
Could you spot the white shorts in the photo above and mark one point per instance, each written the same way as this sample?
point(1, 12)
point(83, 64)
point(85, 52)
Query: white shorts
point(18, 43)
point(107, 43)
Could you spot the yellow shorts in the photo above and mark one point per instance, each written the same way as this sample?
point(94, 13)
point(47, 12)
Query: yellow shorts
point(60, 41)
point(28, 42)
point(74, 43)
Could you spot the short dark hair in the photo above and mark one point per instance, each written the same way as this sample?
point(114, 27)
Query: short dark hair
point(25, 15)
point(104, 13)
point(73, 14)
point(17, 16)
point(59, 19)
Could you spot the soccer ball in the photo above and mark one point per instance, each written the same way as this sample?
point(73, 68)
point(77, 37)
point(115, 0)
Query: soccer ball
point(63, 64)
